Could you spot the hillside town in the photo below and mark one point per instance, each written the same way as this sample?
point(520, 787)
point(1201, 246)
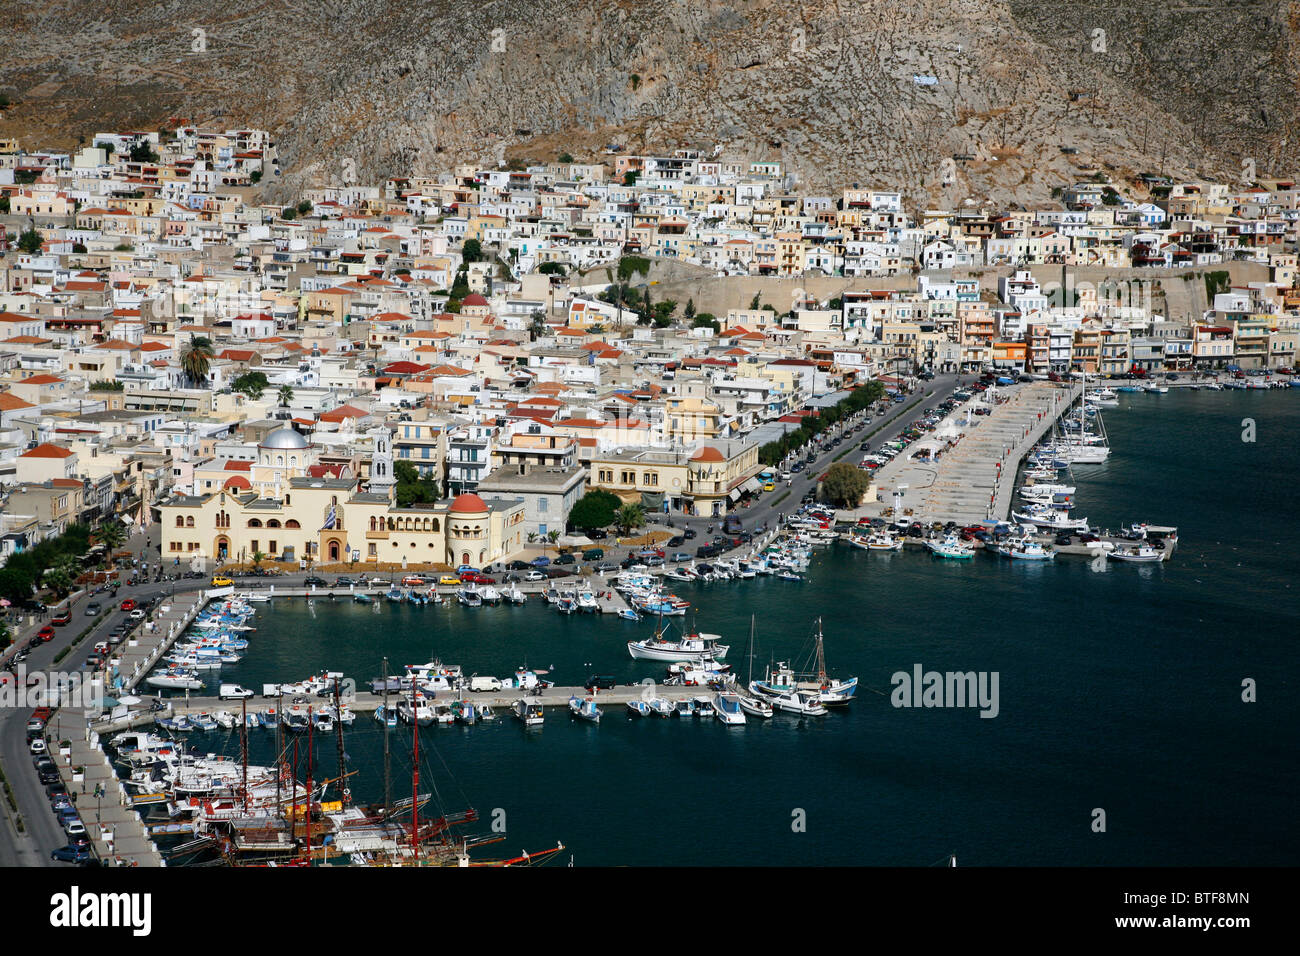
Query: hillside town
point(435, 371)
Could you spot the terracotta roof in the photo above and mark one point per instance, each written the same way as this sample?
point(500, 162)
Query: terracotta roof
point(42, 380)
point(708, 453)
point(469, 503)
point(12, 403)
point(46, 450)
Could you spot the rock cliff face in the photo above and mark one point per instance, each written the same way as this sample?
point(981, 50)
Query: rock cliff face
point(875, 92)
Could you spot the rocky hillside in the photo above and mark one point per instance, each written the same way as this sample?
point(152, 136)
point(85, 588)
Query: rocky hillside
point(870, 91)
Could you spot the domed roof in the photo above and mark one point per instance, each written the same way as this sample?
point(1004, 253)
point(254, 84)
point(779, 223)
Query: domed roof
point(285, 438)
point(468, 504)
point(708, 453)
point(473, 299)
point(237, 483)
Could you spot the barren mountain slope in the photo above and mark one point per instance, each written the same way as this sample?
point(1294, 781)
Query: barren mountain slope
point(840, 91)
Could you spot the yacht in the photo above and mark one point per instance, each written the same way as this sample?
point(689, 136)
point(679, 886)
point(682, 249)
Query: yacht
point(884, 542)
point(798, 702)
point(1045, 516)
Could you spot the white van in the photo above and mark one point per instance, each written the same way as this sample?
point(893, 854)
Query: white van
point(233, 692)
point(485, 683)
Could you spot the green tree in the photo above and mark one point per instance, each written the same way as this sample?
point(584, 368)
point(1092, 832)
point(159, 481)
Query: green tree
point(4, 205)
point(411, 487)
point(142, 152)
point(706, 320)
point(844, 485)
point(252, 384)
point(629, 517)
point(286, 395)
point(566, 157)
point(754, 302)
point(79, 248)
point(630, 177)
point(111, 534)
point(552, 269)
point(196, 358)
point(595, 509)
point(258, 558)
point(30, 242)
point(552, 536)
point(288, 213)
point(689, 311)
point(471, 251)
point(15, 584)
point(536, 325)
point(304, 207)
point(629, 266)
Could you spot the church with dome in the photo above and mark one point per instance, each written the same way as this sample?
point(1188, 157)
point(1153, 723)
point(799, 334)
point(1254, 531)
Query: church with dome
point(287, 513)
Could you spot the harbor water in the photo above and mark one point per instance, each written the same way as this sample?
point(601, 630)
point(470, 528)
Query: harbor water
point(1120, 689)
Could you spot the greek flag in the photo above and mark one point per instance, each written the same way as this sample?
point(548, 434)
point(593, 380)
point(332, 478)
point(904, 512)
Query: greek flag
point(330, 519)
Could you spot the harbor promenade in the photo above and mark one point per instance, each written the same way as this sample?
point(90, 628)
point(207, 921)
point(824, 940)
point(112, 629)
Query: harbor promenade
point(973, 480)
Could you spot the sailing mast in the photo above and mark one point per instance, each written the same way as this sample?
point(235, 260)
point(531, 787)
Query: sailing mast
point(821, 656)
point(243, 745)
point(388, 793)
point(751, 651)
point(415, 776)
point(344, 792)
point(310, 786)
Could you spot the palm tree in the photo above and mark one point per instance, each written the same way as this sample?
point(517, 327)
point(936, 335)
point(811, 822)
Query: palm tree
point(629, 517)
point(551, 536)
point(111, 534)
point(196, 358)
point(286, 395)
point(258, 556)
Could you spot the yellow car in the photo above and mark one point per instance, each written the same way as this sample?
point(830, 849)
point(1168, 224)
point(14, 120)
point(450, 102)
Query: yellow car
point(222, 583)
point(449, 580)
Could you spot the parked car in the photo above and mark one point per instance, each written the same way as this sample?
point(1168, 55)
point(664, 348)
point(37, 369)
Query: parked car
point(689, 533)
point(343, 582)
point(37, 746)
point(74, 828)
point(565, 559)
point(127, 605)
point(676, 541)
point(534, 575)
point(46, 633)
point(541, 562)
point(315, 582)
point(593, 554)
point(93, 608)
point(72, 853)
point(597, 682)
point(449, 580)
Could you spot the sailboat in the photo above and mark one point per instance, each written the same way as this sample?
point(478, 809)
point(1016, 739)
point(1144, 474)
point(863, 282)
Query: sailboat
point(783, 681)
point(754, 706)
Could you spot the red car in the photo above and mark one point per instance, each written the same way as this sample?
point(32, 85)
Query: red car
point(128, 605)
point(46, 633)
point(476, 577)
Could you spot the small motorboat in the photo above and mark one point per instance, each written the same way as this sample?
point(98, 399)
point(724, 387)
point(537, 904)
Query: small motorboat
point(661, 706)
point(726, 708)
point(755, 707)
point(628, 614)
point(225, 719)
point(1141, 554)
point(703, 706)
point(686, 708)
point(585, 708)
point(388, 716)
point(529, 711)
point(639, 708)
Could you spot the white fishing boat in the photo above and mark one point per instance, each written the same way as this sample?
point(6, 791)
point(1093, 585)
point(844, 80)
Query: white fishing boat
point(528, 710)
point(469, 596)
point(225, 719)
point(513, 595)
point(174, 679)
point(797, 702)
point(1024, 549)
point(883, 541)
point(419, 711)
point(950, 547)
point(1140, 554)
point(755, 706)
point(639, 708)
point(587, 601)
point(585, 708)
point(697, 648)
point(490, 595)
point(685, 708)
point(727, 708)
point(703, 706)
point(386, 715)
point(1043, 516)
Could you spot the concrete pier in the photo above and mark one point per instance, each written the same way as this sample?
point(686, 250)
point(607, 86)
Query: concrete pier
point(973, 481)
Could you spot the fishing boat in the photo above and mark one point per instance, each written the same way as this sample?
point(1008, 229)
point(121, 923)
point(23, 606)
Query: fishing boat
point(639, 708)
point(755, 706)
point(813, 678)
point(726, 708)
point(469, 596)
point(884, 541)
point(660, 706)
point(798, 702)
point(585, 708)
point(587, 601)
point(628, 614)
point(1043, 516)
point(386, 715)
point(296, 719)
point(529, 711)
point(696, 647)
point(513, 595)
point(465, 712)
point(490, 595)
point(418, 712)
point(395, 596)
point(225, 719)
point(703, 706)
point(1140, 554)
point(175, 679)
point(363, 598)
point(789, 576)
point(950, 547)
point(204, 722)
point(1023, 549)
point(685, 708)
point(486, 713)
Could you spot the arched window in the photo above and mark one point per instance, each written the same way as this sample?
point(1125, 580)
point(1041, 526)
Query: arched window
point(279, 460)
point(180, 521)
point(293, 461)
point(255, 522)
point(435, 524)
point(273, 522)
point(372, 523)
point(392, 525)
point(189, 521)
point(292, 523)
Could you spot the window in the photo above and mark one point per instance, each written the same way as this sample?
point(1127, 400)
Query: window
point(542, 504)
point(189, 521)
point(180, 521)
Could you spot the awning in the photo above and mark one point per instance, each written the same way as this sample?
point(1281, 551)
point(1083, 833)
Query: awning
point(652, 500)
point(733, 495)
point(752, 484)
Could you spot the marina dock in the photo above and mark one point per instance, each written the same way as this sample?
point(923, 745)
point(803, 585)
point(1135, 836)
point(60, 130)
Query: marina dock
point(973, 481)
